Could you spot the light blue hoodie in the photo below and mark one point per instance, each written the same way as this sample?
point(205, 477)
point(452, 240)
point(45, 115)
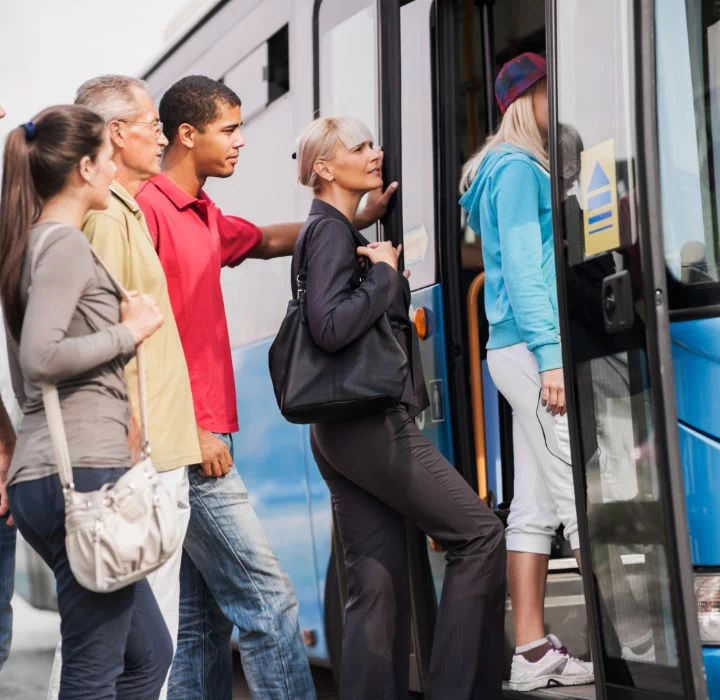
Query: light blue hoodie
point(509, 207)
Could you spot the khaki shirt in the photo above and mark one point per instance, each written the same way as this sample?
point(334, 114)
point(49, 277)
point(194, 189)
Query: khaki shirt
point(120, 237)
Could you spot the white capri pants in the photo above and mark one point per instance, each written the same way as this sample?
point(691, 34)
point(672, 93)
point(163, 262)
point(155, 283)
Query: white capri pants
point(544, 495)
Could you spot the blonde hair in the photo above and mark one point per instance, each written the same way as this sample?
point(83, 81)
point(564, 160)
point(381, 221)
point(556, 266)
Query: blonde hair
point(318, 141)
point(517, 128)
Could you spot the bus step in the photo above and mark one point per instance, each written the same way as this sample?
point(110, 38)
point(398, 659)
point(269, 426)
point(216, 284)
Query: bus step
point(578, 692)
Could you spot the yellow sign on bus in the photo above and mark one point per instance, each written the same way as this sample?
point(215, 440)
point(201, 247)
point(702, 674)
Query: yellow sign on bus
point(599, 187)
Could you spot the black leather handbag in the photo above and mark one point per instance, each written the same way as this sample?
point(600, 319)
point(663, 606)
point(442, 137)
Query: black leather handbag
point(314, 386)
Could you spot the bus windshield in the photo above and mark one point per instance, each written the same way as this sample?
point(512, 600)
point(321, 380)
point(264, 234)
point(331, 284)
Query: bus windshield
point(688, 79)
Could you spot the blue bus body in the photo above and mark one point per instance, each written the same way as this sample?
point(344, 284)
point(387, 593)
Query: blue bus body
point(696, 365)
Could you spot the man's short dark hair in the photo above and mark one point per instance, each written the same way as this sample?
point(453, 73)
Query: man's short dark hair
point(194, 100)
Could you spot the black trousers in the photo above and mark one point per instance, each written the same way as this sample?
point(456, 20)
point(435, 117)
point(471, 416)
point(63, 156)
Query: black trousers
point(380, 471)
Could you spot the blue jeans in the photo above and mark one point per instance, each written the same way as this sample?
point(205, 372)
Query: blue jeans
point(230, 577)
point(115, 646)
point(7, 584)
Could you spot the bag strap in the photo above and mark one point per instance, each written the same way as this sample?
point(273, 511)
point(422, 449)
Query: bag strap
point(301, 274)
point(301, 246)
point(51, 398)
point(140, 358)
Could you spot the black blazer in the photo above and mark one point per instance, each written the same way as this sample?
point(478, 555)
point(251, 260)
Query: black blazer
point(345, 296)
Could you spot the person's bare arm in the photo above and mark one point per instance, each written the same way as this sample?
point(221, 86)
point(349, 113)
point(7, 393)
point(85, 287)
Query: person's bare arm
point(376, 205)
point(216, 459)
point(134, 438)
point(279, 239)
point(7, 448)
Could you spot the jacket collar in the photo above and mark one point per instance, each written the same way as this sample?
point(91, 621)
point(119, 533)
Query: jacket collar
point(176, 195)
point(320, 208)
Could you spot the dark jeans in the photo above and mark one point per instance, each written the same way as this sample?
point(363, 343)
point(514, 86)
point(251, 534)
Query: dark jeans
point(7, 584)
point(114, 645)
point(380, 471)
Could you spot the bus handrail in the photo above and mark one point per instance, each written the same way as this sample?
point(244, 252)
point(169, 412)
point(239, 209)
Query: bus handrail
point(476, 384)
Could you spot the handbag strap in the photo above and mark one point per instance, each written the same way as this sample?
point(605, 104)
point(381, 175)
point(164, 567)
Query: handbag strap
point(140, 358)
point(300, 277)
point(51, 398)
point(301, 274)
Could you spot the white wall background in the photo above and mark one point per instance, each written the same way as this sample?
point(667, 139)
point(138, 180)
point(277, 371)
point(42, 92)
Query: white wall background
point(49, 47)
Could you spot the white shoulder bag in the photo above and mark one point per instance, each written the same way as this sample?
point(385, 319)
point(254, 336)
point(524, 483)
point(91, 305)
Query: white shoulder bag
point(119, 534)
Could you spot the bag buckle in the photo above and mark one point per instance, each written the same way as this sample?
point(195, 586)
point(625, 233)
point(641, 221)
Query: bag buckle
point(300, 279)
point(145, 451)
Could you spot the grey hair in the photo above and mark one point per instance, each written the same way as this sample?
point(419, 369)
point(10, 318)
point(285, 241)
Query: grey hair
point(110, 96)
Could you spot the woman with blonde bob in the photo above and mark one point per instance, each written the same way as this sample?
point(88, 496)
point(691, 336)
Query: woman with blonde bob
point(381, 470)
point(506, 192)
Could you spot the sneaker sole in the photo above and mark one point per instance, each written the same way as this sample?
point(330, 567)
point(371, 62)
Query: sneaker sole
point(550, 681)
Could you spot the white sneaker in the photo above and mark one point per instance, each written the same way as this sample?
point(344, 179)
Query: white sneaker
point(556, 667)
point(647, 657)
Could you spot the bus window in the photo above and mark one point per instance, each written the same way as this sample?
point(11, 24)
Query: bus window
point(417, 153)
point(471, 119)
point(599, 121)
point(262, 76)
point(688, 80)
point(348, 64)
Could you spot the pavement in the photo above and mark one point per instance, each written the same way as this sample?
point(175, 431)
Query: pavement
point(26, 674)
point(35, 635)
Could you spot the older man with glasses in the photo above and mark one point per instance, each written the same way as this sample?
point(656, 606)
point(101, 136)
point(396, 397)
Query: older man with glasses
point(119, 235)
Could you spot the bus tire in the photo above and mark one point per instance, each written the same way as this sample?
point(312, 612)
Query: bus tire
point(333, 614)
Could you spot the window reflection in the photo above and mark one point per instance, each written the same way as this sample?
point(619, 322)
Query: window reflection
point(688, 74)
point(623, 513)
point(595, 106)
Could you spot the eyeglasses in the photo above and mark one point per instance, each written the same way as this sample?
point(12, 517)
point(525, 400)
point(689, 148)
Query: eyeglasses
point(157, 125)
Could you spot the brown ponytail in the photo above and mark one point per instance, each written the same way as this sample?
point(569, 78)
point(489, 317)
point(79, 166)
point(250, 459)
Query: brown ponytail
point(38, 160)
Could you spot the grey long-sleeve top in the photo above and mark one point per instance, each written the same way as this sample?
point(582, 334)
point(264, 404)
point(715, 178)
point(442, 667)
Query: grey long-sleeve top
point(71, 337)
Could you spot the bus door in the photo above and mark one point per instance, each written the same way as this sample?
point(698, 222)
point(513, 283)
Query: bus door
point(614, 309)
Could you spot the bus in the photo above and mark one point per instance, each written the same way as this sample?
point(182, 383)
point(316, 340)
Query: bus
point(635, 122)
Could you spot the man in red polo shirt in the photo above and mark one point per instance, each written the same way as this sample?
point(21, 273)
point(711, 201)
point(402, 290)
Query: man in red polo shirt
point(229, 574)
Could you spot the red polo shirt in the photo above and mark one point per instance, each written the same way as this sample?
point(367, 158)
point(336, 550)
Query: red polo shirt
point(194, 240)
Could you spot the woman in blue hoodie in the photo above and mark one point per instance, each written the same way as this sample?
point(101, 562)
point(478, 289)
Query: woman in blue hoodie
point(506, 192)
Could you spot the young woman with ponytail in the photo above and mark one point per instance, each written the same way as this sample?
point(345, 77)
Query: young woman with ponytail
point(506, 193)
point(66, 325)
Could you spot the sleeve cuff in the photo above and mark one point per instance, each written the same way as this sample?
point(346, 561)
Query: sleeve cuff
point(548, 357)
point(256, 241)
point(126, 342)
point(385, 276)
